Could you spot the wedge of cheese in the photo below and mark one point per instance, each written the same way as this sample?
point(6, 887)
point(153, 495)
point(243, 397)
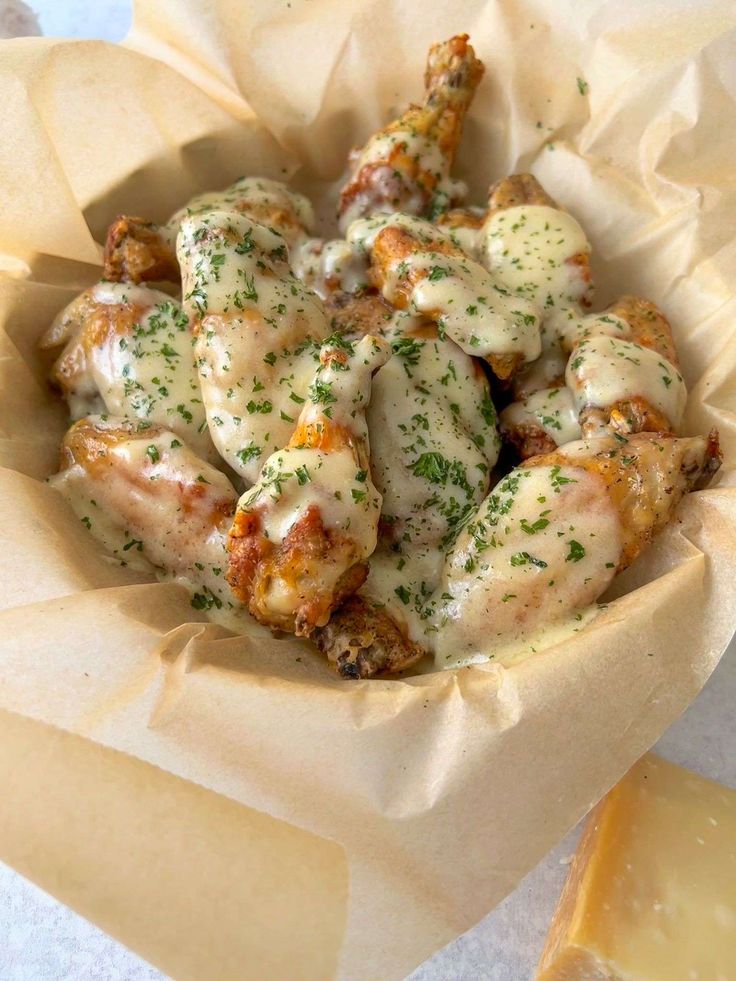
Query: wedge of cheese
point(651, 894)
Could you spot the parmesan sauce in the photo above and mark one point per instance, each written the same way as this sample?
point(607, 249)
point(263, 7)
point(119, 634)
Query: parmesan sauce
point(149, 373)
point(434, 442)
point(551, 409)
point(149, 499)
point(479, 314)
point(331, 479)
point(606, 370)
point(257, 341)
point(546, 542)
point(269, 202)
point(528, 247)
point(329, 266)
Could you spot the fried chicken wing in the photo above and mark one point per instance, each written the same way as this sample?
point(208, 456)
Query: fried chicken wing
point(257, 333)
point(302, 535)
point(406, 166)
point(536, 249)
point(621, 376)
point(551, 536)
point(144, 493)
point(138, 251)
point(418, 267)
point(128, 351)
point(433, 444)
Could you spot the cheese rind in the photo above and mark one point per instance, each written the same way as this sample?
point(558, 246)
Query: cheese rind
point(651, 894)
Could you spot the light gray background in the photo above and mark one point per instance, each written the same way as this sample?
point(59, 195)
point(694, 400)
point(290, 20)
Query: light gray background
point(41, 940)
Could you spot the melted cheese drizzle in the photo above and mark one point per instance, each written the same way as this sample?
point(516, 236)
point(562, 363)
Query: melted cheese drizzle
point(150, 373)
point(481, 316)
point(528, 247)
point(331, 479)
point(154, 501)
point(550, 409)
point(362, 233)
point(263, 200)
point(546, 542)
point(329, 266)
point(605, 370)
point(255, 348)
point(434, 442)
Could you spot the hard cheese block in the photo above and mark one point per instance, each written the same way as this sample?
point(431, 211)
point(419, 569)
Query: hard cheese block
point(651, 894)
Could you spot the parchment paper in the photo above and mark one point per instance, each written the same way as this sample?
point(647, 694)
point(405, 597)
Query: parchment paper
point(443, 789)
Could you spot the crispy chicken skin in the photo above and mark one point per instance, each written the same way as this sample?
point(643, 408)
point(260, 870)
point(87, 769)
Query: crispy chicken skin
point(141, 490)
point(554, 532)
point(257, 334)
point(302, 535)
point(362, 640)
point(128, 352)
point(406, 166)
point(139, 251)
point(518, 189)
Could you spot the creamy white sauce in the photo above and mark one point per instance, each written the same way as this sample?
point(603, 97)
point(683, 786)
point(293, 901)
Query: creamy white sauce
point(604, 370)
point(536, 641)
point(528, 247)
point(546, 541)
point(333, 479)
point(152, 499)
point(255, 346)
point(552, 410)
point(467, 304)
point(362, 233)
point(269, 202)
point(568, 326)
point(329, 266)
point(132, 368)
point(149, 373)
point(434, 442)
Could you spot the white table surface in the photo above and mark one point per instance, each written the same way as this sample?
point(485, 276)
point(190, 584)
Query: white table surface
point(42, 940)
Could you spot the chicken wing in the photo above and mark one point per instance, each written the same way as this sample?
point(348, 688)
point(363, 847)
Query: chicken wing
point(406, 166)
point(137, 250)
point(128, 352)
point(536, 250)
point(552, 535)
point(301, 536)
point(621, 376)
point(433, 444)
point(257, 333)
point(418, 267)
point(144, 493)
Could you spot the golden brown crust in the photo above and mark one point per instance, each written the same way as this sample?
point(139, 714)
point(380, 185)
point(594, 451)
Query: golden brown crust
point(461, 218)
point(299, 562)
point(137, 252)
point(362, 640)
point(358, 314)
point(634, 415)
point(528, 440)
point(94, 323)
point(649, 326)
point(515, 190)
